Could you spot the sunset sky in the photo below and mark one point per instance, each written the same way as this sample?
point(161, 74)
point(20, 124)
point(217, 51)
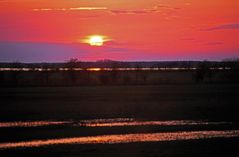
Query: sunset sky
point(56, 30)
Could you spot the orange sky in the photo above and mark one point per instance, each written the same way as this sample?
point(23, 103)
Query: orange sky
point(139, 30)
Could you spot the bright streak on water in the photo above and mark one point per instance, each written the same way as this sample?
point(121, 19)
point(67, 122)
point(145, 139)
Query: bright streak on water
point(131, 122)
point(31, 124)
point(107, 69)
point(116, 122)
point(126, 138)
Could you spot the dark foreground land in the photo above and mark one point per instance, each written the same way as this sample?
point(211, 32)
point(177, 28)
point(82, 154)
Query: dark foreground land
point(210, 102)
point(163, 102)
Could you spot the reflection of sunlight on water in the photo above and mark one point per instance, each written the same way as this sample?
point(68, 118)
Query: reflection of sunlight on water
point(110, 69)
point(127, 138)
point(31, 124)
point(116, 122)
point(131, 122)
point(108, 121)
point(94, 69)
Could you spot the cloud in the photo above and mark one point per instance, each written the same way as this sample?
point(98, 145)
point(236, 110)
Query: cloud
point(214, 43)
point(89, 8)
point(56, 52)
point(155, 9)
point(70, 9)
point(38, 52)
point(223, 27)
point(166, 7)
point(144, 11)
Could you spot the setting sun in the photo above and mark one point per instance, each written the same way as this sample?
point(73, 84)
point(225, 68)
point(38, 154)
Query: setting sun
point(96, 40)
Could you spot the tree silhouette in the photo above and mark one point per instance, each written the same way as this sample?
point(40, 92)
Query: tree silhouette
point(71, 65)
point(45, 74)
point(202, 71)
point(233, 64)
point(16, 73)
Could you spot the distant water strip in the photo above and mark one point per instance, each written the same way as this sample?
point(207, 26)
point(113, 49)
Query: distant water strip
point(110, 69)
point(31, 124)
point(126, 138)
point(115, 122)
point(131, 122)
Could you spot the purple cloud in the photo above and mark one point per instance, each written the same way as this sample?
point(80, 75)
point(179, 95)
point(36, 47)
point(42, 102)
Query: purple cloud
point(225, 26)
point(37, 52)
point(54, 52)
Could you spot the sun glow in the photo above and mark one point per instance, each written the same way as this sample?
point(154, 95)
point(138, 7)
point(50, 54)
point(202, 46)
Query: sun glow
point(96, 40)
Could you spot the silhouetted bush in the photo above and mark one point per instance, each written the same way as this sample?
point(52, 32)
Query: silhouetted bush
point(71, 65)
point(202, 72)
point(233, 74)
point(126, 78)
point(144, 76)
point(45, 74)
point(104, 78)
point(15, 75)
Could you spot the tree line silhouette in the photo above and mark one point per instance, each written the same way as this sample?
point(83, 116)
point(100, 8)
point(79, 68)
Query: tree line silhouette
point(49, 74)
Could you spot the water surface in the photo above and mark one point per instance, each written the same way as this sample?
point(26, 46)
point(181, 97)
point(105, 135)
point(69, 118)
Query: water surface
point(126, 138)
point(31, 123)
point(115, 122)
